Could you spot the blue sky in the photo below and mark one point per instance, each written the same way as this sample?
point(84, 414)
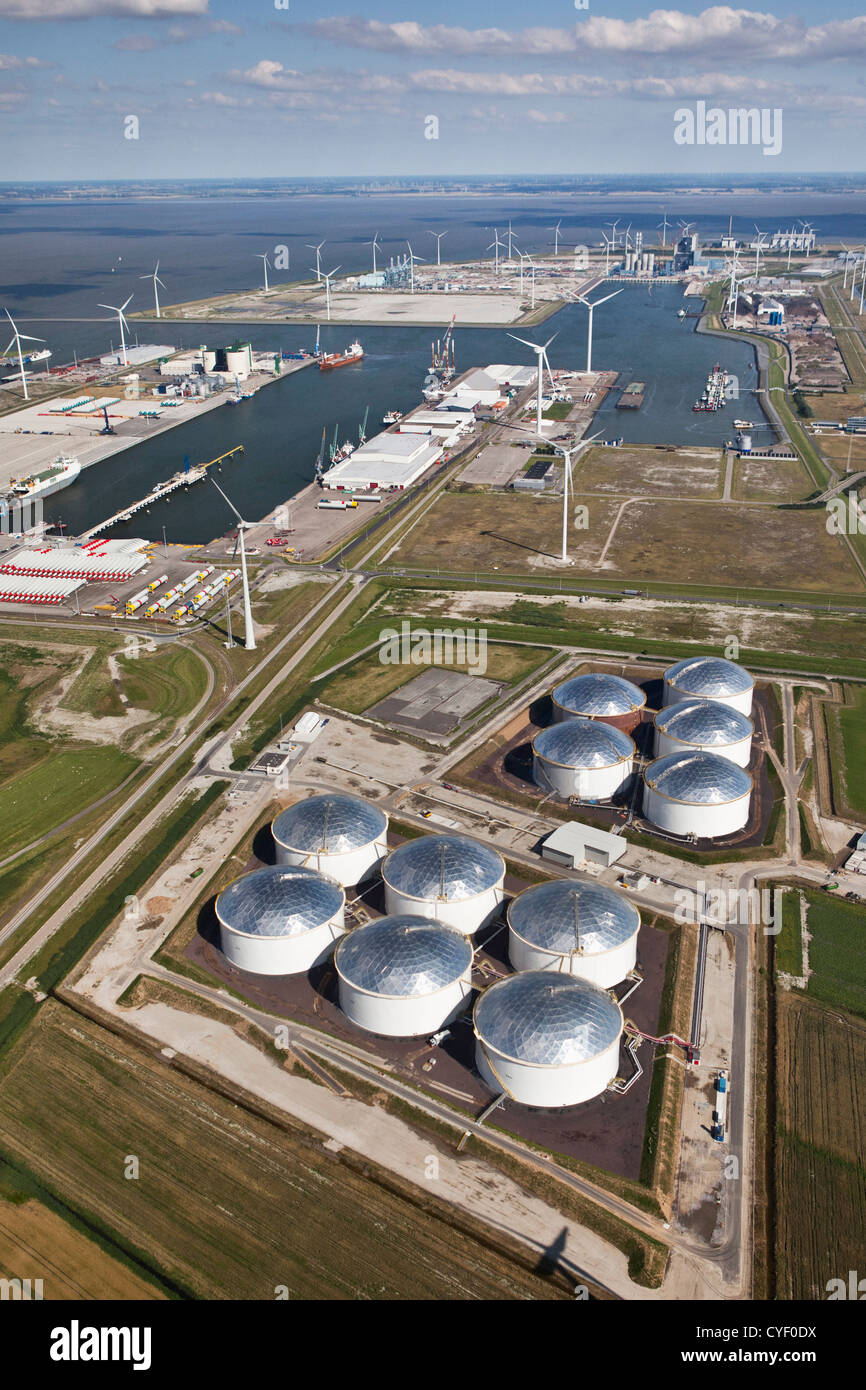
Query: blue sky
point(254, 89)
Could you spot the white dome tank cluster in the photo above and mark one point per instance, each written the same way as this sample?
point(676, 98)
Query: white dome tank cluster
point(341, 836)
point(280, 920)
point(704, 726)
point(576, 928)
point(547, 1040)
point(404, 976)
point(449, 878)
point(583, 758)
point(698, 784)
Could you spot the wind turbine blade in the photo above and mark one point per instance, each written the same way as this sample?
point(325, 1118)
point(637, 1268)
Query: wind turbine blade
point(534, 346)
point(129, 301)
point(228, 499)
point(549, 341)
point(606, 298)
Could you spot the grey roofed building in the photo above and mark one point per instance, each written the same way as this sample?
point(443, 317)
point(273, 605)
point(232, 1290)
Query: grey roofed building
point(574, 843)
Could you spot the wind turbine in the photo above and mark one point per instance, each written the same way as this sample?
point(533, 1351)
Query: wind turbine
point(848, 254)
point(412, 259)
point(568, 481)
point(263, 257)
point(376, 245)
point(759, 246)
point(156, 281)
point(608, 243)
point(122, 321)
point(318, 251)
point(862, 282)
point(664, 225)
point(17, 341)
point(510, 241)
point(249, 630)
point(327, 279)
point(591, 307)
point(496, 243)
point(541, 353)
point(613, 226)
point(555, 231)
point(438, 236)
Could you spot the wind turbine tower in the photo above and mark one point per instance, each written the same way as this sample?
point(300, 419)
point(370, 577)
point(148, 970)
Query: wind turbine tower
point(327, 279)
point(263, 257)
point(541, 354)
point(122, 321)
point(412, 259)
point(249, 630)
point(318, 251)
point(566, 455)
point(438, 236)
point(156, 281)
point(582, 300)
point(17, 340)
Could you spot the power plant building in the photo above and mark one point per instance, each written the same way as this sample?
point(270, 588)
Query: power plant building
point(697, 794)
point(583, 758)
point(574, 927)
point(449, 878)
point(547, 1040)
point(280, 921)
point(404, 976)
point(341, 836)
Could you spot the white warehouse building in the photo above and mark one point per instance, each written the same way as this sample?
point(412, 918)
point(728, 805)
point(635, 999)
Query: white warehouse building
point(700, 794)
point(583, 758)
point(709, 678)
point(704, 726)
point(280, 921)
point(450, 878)
point(575, 927)
point(547, 1040)
point(341, 836)
point(388, 461)
point(404, 976)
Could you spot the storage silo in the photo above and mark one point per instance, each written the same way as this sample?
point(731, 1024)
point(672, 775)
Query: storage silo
point(342, 836)
point(596, 695)
point(709, 678)
point(575, 927)
point(547, 1040)
point(704, 726)
point(700, 794)
point(403, 976)
point(583, 758)
point(280, 920)
point(450, 878)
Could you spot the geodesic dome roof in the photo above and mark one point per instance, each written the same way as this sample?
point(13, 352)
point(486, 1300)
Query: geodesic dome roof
point(547, 1020)
point(709, 676)
point(403, 956)
point(583, 743)
point(705, 722)
point(278, 901)
point(599, 695)
point(446, 867)
point(329, 824)
point(703, 779)
point(560, 915)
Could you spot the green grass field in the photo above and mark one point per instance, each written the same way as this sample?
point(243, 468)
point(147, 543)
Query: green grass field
point(368, 680)
point(789, 941)
point(58, 786)
point(837, 951)
point(850, 726)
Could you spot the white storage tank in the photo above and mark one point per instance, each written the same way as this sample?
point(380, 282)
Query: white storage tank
point(450, 878)
point(403, 976)
point(700, 794)
point(596, 695)
point(575, 927)
point(547, 1040)
point(583, 758)
point(704, 726)
point(280, 921)
point(342, 836)
point(709, 678)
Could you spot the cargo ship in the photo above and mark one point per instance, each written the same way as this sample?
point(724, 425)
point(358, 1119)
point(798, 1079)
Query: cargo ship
point(354, 353)
point(63, 471)
point(10, 367)
point(632, 396)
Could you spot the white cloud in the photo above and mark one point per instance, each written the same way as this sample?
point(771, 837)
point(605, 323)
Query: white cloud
point(547, 117)
point(98, 9)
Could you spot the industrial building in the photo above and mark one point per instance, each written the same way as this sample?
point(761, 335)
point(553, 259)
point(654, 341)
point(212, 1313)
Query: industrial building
point(547, 1040)
point(99, 561)
point(388, 461)
point(704, 726)
point(595, 695)
point(583, 758)
point(280, 921)
point(341, 836)
point(702, 795)
point(709, 678)
point(450, 878)
point(575, 927)
point(404, 976)
point(573, 844)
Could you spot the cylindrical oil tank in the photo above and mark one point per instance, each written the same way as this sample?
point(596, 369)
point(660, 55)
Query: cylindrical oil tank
point(704, 726)
point(575, 927)
point(404, 976)
point(451, 878)
point(280, 920)
point(583, 758)
point(709, 678)
point(342, 836)
point(700, 794)
point(596, 695)
point(547, 1040)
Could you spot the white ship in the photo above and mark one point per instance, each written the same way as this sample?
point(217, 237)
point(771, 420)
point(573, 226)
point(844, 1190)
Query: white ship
point(10, 367)
point(63, 471)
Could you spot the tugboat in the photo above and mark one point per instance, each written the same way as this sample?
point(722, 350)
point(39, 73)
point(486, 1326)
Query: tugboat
point(391, 417)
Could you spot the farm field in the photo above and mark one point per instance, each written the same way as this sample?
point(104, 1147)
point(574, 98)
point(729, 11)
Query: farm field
point(846, 728)
point(837, 952)
point(227, 1205)
point(769, 480)
point(836, 447)
point(820, 1143)
point(368, 680)
point(651, 472)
